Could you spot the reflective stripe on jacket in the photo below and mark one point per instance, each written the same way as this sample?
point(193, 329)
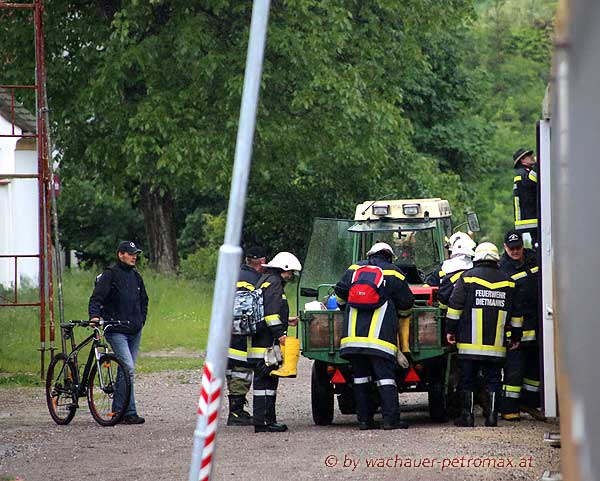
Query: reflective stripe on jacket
point(374, 331)
point(480, 305)
point(276, 316)
point(526, 276)
point(525, 198)
point(238, 348)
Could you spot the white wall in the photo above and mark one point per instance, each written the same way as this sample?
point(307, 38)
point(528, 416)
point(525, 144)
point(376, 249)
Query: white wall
point(18, 210)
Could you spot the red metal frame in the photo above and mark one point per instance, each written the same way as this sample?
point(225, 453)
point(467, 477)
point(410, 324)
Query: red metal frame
point(45, 186)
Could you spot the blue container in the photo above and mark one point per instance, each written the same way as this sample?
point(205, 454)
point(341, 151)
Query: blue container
point(332, 304)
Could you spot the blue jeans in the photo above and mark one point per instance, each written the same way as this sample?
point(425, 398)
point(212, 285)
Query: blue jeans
point(126, 347)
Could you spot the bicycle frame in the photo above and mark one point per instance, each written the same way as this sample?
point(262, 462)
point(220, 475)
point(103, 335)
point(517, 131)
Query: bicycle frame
point(97, 350)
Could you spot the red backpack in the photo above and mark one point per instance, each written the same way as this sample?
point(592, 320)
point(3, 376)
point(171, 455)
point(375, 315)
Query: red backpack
point(367, 288)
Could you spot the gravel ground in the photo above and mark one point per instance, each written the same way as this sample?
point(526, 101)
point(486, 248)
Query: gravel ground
point(33, 448)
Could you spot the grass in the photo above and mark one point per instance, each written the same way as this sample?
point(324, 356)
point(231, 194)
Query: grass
point(174, 337)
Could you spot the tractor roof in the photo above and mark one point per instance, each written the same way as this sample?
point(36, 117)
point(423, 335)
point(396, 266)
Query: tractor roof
point(434, 208)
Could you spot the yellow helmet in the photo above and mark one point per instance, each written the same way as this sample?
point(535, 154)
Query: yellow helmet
point(486, 251)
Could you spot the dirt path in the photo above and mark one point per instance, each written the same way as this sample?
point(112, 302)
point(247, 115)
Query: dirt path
point(33, 448)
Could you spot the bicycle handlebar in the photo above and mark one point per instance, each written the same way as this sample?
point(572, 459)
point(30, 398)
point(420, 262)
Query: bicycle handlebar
point(101, 322)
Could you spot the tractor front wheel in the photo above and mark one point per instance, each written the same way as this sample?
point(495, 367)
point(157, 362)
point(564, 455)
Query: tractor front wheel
point(321, 394)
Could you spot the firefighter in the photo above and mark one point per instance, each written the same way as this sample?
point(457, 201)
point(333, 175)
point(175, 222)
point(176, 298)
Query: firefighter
point(521, 385)
point(435, 278)
point(266, 342)
point(480, 304)
point(369, 340)
point(460, 260)
point(239, 373)
point(525, 195)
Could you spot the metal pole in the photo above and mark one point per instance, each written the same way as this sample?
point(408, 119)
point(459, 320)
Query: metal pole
point(229, 255)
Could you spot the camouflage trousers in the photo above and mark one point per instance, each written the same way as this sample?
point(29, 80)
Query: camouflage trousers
point(239, 380)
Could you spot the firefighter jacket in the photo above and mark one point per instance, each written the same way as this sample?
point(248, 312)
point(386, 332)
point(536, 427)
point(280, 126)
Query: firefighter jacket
point(482, 301)
point(120, 295)
point(374, 332)
point(454, 267)
point(276, 316)
point(238, 348)
point(526, 276)
point(525, 197)
point(435, 278)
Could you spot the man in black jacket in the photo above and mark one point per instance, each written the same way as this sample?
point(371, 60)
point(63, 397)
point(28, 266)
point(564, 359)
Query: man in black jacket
point(370, 340)
point(120, 295)
point(525, 194)
point(482, 302)
point(521, 386)
point(239, 372)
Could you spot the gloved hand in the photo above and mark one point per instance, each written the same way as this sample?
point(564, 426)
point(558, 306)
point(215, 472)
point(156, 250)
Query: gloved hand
point(402, 360)
point(263, 370)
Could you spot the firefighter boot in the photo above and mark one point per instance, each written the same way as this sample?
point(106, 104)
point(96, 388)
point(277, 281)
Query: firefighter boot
point(490, 409)
point(237, 415)
point(291, 353)
point(270, 420)
point(466, 419)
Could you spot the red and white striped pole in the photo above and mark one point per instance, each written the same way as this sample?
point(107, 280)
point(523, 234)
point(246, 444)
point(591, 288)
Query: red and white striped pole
point(230, 254)
point(208, 406)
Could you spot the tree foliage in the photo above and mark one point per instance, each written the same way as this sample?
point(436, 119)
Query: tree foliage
point(359, 99)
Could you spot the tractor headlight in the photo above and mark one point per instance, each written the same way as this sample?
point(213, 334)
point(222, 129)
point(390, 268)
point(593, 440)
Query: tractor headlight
point(410, 209)
point(381, 210)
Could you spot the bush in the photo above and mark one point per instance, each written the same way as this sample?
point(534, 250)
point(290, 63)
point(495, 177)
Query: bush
point(202, 263)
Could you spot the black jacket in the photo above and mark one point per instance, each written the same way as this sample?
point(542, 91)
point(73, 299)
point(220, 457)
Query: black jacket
point(525, 197)
point(276, 316)
point(482, 303)
point(374, 332)
point(238, 348)
point(526, 276)
point(120, 295)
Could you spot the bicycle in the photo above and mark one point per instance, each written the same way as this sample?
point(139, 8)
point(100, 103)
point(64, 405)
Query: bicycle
point(64, 385)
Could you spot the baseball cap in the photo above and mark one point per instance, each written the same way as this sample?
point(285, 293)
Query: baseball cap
point(129, 247)
point(255, 253)
point(513, 239)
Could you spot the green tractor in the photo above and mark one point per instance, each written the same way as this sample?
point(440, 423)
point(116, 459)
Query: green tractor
point(417, 230)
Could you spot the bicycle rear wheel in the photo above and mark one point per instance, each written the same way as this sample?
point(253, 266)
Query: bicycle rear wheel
point(61, 389)
point(102, 389)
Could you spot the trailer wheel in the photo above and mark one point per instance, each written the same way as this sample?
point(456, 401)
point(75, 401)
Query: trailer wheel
point(321, 394)
point(438, 406)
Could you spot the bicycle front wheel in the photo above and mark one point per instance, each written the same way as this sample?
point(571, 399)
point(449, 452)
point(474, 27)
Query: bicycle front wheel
point(109, 390)
point(61, 389)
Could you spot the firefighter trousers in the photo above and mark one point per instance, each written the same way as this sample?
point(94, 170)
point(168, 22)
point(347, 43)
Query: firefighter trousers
point(265, 396)
point(368, 369)
point(239, 380)
point(469, 369)
point(521, 385)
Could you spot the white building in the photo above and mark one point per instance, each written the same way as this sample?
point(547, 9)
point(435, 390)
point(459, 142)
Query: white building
point(19, 208)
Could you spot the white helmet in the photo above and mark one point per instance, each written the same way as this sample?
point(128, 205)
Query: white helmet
point(285, 261)
point(380, 247)
point(486, 251)
point(462, 244)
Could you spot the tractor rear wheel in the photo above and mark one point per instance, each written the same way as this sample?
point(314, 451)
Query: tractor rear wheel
point(321, 394)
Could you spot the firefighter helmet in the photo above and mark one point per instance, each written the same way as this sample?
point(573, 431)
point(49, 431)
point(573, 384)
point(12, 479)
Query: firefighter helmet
point(519, 154)
point(461, 244)
point(486, 251)
point(380, 247)
point(285, 261)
